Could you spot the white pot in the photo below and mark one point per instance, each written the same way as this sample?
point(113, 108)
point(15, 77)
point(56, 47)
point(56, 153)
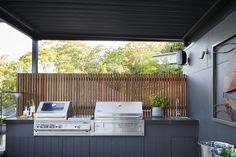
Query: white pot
point(157, 112)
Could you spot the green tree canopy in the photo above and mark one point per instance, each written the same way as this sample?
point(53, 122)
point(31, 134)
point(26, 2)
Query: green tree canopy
point(79, 57)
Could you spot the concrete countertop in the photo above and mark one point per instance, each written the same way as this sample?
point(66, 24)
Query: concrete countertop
point(151, 121)
point(18, 120)
point(170, 121)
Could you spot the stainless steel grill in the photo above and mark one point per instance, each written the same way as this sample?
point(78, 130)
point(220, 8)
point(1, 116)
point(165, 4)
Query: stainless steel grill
point(52, 120)
point(119, 119)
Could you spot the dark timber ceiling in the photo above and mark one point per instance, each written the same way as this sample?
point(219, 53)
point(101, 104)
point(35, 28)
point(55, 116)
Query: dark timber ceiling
point(104, 19)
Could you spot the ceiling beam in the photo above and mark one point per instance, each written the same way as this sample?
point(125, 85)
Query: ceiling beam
point(15, 22)
point(205, 18)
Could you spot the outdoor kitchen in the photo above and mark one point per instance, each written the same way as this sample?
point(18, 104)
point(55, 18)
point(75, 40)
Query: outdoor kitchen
point(112, 121)
point(66, 98)
point(115, 130)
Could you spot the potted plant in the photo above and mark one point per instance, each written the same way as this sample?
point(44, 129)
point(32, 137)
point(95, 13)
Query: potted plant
point(158, 103)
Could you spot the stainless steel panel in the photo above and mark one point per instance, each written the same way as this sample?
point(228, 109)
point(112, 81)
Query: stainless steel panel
point(119, 127)
point(62, 133)
point(55, 127)
point(119, 119)
point(49, 109)
point(118, 110)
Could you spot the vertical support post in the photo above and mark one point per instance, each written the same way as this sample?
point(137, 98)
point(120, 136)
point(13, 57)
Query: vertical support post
point(1, 104)
point(34, 56)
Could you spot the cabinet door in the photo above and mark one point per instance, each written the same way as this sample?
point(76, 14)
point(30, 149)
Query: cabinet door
point(184, 147)
point(157, 146)
point(171, 141)
point(20, 146)
point(158, 141)
point(48, 146)
point(75, 147)
point(19, 140)
point(116, 147)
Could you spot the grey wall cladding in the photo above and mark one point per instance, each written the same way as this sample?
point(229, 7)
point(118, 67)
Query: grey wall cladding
point(199, 72)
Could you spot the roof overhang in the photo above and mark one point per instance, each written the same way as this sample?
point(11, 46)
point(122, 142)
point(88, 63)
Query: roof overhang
point(149, 20)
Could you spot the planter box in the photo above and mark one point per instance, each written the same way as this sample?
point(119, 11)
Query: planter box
point(157, 112)
point(2, 128)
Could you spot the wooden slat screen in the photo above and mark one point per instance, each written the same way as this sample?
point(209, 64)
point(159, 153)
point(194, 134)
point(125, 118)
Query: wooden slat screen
point(83, 90)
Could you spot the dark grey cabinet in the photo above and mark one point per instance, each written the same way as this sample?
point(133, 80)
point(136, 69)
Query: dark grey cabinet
point(20, 146)
point(157, 146)
point(75, 146)
point(20, 140)
point(183, 147)
point(171, 141)
point(48, 146)
point(162, 139)
point(116, 146)
point(62, 146)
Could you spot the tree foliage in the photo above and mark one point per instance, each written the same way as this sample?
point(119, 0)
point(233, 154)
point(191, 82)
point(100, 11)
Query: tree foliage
point(7, 74)
point(172, 47)
point(79, 57)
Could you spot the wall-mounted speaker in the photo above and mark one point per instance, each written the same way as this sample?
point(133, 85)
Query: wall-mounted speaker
point(181, 57)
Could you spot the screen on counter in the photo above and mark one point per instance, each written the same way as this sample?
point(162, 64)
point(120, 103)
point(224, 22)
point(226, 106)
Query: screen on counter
point(53, 107)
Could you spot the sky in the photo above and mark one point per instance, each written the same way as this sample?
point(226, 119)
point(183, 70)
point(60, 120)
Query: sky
point(15, 43)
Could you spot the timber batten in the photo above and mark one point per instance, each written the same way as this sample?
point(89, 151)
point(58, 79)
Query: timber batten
point(83, 90)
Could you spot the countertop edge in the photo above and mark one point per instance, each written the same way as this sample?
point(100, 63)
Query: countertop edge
point(20, 121)
point(172, 122)
point(147, 121)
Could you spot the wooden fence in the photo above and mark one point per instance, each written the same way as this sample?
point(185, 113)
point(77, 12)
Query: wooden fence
point(83, 90)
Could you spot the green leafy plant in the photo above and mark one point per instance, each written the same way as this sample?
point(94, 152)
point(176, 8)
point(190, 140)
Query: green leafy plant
point(159, 101)
point(228, 152)
point(2, 120)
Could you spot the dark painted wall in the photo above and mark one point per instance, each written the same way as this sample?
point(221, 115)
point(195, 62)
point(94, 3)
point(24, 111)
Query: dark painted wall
point(199, 72)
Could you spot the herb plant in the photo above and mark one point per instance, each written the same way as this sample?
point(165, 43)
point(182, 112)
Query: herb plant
point(159, 101)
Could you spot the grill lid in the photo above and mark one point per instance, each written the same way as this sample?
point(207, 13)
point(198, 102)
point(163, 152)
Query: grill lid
point(53, 109)
point(118, 110)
